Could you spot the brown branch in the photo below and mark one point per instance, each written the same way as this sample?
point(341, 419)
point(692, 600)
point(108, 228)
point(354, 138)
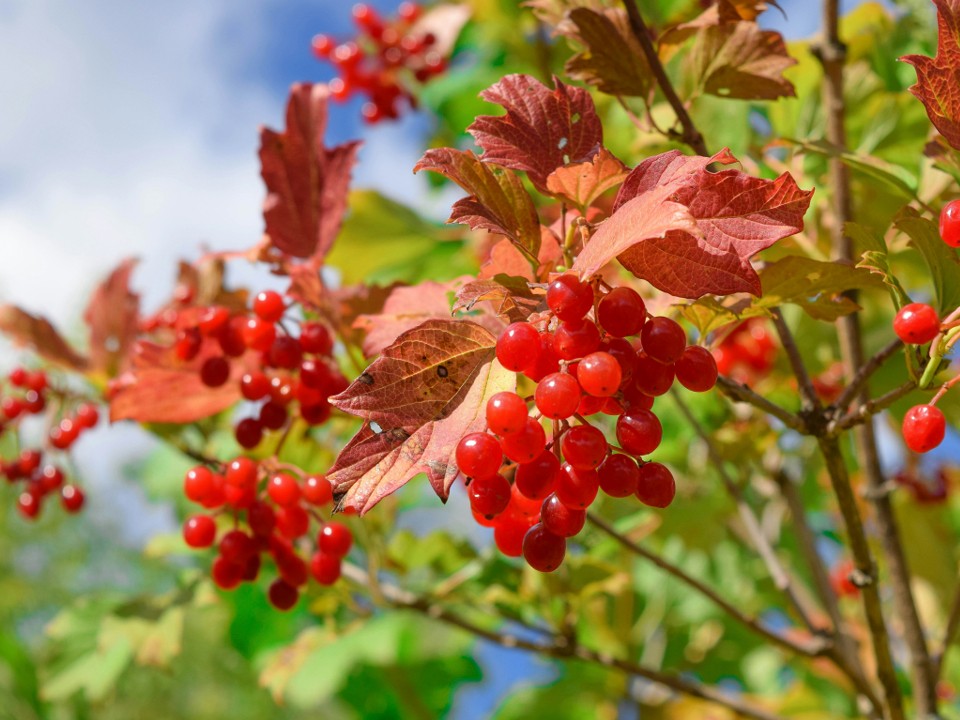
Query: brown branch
point(863, 374)
point(949, 635)
point(811, 401)
point(739, 392)
point(813, 648)
point(691, 135)
point(869, 408)
point(561, 648)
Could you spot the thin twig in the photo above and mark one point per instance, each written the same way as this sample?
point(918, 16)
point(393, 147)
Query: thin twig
point(813, 648)
point(868, 409)
point(691, 135)
point(949, 635)
point(741, 393)
point(808, 393)
point(863, 374)
point(561, 648)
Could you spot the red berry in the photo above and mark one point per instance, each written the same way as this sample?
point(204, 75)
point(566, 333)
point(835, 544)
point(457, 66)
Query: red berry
point(317, 490)
point(18, 377)
point(213, 320)
point(524, 446)
point(215, 371)
point(241, 472)
point(584, 447)
point(489, 495)
point(624, 354)
point(232, 337)
point(916, 324)
point(569, 299)
point(236, 546)
point(87, 415)
point(409, 11)
point(29, 461)
point(518, 346)
point(599, 374)
point(34, 402)
point(268, 305)
point(639, 432)
point(37, 381)
point(198, 483)
point(696, 369)
point(12, 408)
point(652, 377)
point(572, 341)
point(50, 478)
point(282, 595)
point(557, 396)
point(506, 413)
point(262, 519)
point(325, 568)
point(292, 521)
point(322, 46)
point(923, 428)
point(577, 488)
point(188, 343)
point(28, 503)
point(199, 531)
point(508, 533)
point(547, 359)
point(635, 399)
point(543, 550)
point(226, 574)
point(479, 455)
point(663, 339)
point(560, 519)
point(622, 312)
point(273, 415)
point(316, 339)
point(316, 414)
point(283, 489)
point(259, 334)
point(335, 539)
point(655, 485)
point(72, 498)
point(285, 353)
point(619, 475)
point(950, 223)
point(536, 479)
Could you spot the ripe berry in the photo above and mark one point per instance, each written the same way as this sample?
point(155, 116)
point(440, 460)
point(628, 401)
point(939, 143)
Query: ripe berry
point(268, 305)
point(577, 488)
point(547, 359)
point(916, 324)
point(317, 490)
point(599, 374)
point(622, 312)
point(574, 340)
point(198, 483)
point(557, 396)
point(213, 320)
point(236, 546)
point(508, 534)
point(489, 495)
point(663, 339)
point(619, 475)
point(325, 568)
point(199, 531)
point(639, 432)
point(282, 595)
point(652, 377)
point(506, 413)
point(569, 299)
point(950, 223)
point(543, 550)
point(655, 485)
point(584, 447)
point(187, 344)
point(262, 519)
point(273, 415)
point(518, 346)
point(335, 539)
point(315, 339)
point(537, 478)
point(292, 521)
point(231, 337)
point(524, 446)
point(283, 489)
point(696, 369)
point(28, 504)
point(87, 415)
point(624, 354)
point(479, 455)
point(560, 519)
point(215, 371)
point(285, 353)
point(72, 498)
point(923, 428)
point(241, 472)
point(226, 575)
point(258, 334)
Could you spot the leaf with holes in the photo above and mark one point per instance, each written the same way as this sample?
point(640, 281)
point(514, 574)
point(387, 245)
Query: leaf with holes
point(509, 296)
point(542, 130)
point(40, 335)
point(938, 78)
point(498, 201)
point(113, 316)
point(581, 184)
point(612, 59)
point(425, 392)
point(306, 182)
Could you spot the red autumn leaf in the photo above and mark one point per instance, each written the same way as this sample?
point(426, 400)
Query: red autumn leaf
point(938, 79)
point(40, 335)
point(736, 216)
point(306, 182)
point(159, 388)
point(422, 395)
point(584, 182)
point(510, 297)
point(204, 282)
point(612, 59)
point(498, 201)
point(505, 259)
point(542, 130)
point(349, 303)
point(113, 316)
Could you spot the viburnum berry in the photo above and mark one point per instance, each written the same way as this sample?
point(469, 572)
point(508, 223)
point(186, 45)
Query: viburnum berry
point(639, 432)
point(268, 305)
point(241, 471)
point(577, 488)
point(199, 531)
point(537, 478)
point(282, 595)
point(622, 312)
point(924, 427)
point(215, 371)
point(560, 519)
point(950, 223)
point(317, 490)
point(524, 446)
point(626, 357)
point(273, 415)
point(226, 574)
point(569, 298)
point(28, 503)
point(292, 521)
point(325, 568)
point(508, 534)
point(506, 413)
point(479, 455)
point(87, 415)
point(285, 353)
point(489, 495)
point(599, 374)
point(557, 396)
point(315, 338)
point(573, 340)
point(652, 377)
point(213, 319)
point(696, 369)
point(655, 485)
point(283, 489)
point(916, 324)
point(187, 344)
point(619, 475)
point(547, 359)
point(335, 539)
point(198, 483)
point(543, 550)
point(258, 334)
point(261, 518)
point(663, 339)
point(518, 346)
point(236, 546)
point(584, 447)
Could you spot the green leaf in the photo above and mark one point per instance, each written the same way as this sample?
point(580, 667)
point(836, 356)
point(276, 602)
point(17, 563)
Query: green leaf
point(895, 177)
point(874, 257)
point(814, 285)
point(941, 259)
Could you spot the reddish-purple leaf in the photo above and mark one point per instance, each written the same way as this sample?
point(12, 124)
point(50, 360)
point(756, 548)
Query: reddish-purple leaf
point(113, 317)
point(418, 399)
point(612, 59)
point(40, 335)
point(581, 184)
point(542, 130)
point(498, 201)
point(938, 79)
point(510, 297)
point(306, 182)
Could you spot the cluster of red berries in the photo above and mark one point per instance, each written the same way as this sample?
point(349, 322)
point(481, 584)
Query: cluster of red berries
point(271, 512)
point(299, 369)
point(924, 426)
point(747, 354)
point(582, 365)
point(29, 396)
point(377, 62)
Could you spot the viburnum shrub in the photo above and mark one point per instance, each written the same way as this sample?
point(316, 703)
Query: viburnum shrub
point(685, 353)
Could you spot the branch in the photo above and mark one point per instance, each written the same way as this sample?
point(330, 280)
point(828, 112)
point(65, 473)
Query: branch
point(859, 380)
point(868, 409)
point(561, 648)
point(741, 393)
point(949, 635)
point(691, 136)
point(814, 648)
point(811, 400)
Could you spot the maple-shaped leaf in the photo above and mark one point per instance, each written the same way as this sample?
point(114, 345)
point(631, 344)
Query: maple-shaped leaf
point(40, 335)
point(509, 297)
point(938, 78)
point(113, 316)
point(612, 59)
point(425, 392)
point(582, 183)
point(498, 201)
point(306, 182)
point(542, 130)
point(704, 247)
point(160, 388)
